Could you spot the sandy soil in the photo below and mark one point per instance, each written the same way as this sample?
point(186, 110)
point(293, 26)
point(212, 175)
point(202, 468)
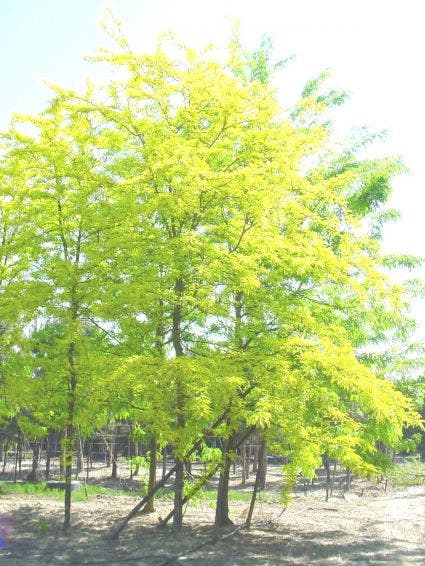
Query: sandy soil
point(362, 526)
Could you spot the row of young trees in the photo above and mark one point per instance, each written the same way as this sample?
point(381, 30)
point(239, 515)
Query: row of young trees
point(178, 251)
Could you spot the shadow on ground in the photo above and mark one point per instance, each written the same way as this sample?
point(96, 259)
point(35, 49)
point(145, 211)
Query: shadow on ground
point(326, 547)
point(33, 536)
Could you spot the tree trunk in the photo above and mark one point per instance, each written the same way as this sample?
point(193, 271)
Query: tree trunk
point(49, 442)
point(20, 446)
point(243, 463)
point(421, 447)
point(178, 495)
point(70, 431)
point(246, 460)
point(118, 527)
point(222, 507)
point(199, 484)
point(15, 472)
point(115, 449)
point(179, 477)
point(150, 506)
point(68, 450)
point(327, 467)
point(164, 461)
point(348, 478)
point(258, 479)
point(6, 450)
point(89, 461)
point(176, 337)
point(115, 531)
point(188, 468)
point(34, 474)
point(208, 475)
point(136, 452)
point(62, 438)
point(109, 450)
point(262, 465)
point(333, 479)
point(90, 454)
point(80, 458)
point(255, 454)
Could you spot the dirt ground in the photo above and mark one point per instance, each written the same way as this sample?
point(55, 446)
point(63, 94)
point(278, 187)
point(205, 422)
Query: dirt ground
point(362, 526)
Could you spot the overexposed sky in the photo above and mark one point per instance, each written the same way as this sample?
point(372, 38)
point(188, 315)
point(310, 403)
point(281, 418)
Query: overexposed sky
point(374, 48)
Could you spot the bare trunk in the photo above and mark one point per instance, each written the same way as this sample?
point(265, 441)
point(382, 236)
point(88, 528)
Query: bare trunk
point(164, 461)
point(70, 432)
point(6, 450)
point(258, 479)
point(62, 438)
point(255, 455)
point(150, 506)
point(118, 528)
point(262, 464)
point(68, 450)
point(89, 462)
point(348, 478)
point(326, 465)
point(20, 447)
point(243, 463)
point(49, 443)
point(333, 479)
point(68, 443)
point(188, 468)
point(208, 474)
point(178, 496)
point(109, 450)
point(34, 475)
point(90, 454)
point(15, 472)
point(80, 457)
point(180, 404)
point(136, 452)
point(222, 507)
point(179, 477)
point(246, 460)
point(114, 454)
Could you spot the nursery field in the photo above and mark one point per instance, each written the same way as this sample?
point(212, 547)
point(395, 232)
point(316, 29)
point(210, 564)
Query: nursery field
point(366, 525)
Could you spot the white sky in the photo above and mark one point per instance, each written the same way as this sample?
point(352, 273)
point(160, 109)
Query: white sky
point(374, 48)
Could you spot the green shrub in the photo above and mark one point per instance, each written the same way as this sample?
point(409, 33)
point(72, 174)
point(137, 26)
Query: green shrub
point(410, 473)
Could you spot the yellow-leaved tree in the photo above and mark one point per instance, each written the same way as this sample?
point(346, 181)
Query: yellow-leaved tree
point(222, 247)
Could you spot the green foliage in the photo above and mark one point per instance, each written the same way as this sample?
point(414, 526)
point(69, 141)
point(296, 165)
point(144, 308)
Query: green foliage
point(209, 454)
point(40, 489)
point(42, 526)
point(96, 491)
point(414, 388)
point(407, 474)
point(402, 261)
point(93, 491)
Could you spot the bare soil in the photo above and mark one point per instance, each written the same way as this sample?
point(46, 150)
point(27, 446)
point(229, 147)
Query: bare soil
point(362, 526)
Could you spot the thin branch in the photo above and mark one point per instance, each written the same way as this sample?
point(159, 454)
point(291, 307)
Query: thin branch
point(111, 336)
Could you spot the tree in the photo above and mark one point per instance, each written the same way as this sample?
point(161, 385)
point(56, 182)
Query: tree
point(256, 223)
point(220, 249)
point(59, 166)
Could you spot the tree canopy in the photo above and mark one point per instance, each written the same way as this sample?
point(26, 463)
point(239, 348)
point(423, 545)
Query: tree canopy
point(176, 247)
